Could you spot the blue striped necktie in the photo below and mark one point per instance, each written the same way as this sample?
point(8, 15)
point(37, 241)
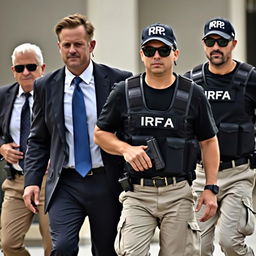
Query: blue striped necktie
point(25, 123)
point(83, 162)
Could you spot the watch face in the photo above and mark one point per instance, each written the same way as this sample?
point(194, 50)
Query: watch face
point(215, 189)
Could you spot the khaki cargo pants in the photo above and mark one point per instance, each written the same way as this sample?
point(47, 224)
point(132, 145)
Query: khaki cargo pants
point(171, 208)
point(235, 215)
point(16, 219)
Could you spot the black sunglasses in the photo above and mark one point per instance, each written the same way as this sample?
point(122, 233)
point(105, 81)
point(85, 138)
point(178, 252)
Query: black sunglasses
point(163, 51)
point(210, 42)
point(29, 67)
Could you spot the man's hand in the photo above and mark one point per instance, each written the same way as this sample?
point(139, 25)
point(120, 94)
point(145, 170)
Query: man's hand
point(210, 201)
point(11, 153)
point(31, 198)
point(137, 157)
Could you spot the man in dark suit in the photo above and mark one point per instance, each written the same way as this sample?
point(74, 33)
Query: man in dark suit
point(82, 181)
point(15, 107)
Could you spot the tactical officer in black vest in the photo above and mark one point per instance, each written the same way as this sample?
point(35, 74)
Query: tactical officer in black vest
point(231, 90)
point(155, 120)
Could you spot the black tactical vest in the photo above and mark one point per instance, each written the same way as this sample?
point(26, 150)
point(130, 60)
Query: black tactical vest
point(236, 128)
point(177, 144)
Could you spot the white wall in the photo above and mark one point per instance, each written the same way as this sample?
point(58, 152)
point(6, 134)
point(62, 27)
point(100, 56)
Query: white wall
point(116, 23)
point(118, 27)
point(32, 21)
point(238, 18)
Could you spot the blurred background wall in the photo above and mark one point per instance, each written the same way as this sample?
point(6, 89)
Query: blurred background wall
point(118, 26)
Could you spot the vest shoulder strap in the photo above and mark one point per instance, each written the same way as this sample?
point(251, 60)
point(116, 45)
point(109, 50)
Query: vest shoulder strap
point(242, 74)
point(183, 95)
point(197, 74)
point(133, 90)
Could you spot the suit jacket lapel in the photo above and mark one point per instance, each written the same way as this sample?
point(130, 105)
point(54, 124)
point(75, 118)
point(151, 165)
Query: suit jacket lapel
point(102, 86)
point(10, 98)
point(57, 96)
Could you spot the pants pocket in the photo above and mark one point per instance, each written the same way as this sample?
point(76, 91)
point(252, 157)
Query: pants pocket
point(119, 244)
point(247, 221)
point(193, 239)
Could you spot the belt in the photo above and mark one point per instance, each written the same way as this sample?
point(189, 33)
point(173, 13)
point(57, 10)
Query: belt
point(93, 171)
point(157, 181)
point(20, 173)
point(233, 163)
point(15, 171)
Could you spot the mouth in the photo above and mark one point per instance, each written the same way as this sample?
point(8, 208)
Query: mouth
point(216, 54)
point(156, 64)
point(73, 57)
point(27, 78)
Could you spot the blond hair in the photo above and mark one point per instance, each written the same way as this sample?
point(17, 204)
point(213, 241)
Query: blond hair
point(73, 21)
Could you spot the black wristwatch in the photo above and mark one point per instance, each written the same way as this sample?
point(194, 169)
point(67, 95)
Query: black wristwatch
point(214, 188)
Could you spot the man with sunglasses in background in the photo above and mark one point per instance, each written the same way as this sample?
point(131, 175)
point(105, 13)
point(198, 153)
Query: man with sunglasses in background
point(231, 90)
point(154, 121)
point(15, 115)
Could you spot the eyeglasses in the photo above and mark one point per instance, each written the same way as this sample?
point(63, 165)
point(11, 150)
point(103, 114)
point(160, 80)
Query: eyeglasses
point(29, 67)
point(150, 51)
point(210, 42)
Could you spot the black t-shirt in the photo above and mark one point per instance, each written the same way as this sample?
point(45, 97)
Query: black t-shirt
point(200, 119)
point(224, 82)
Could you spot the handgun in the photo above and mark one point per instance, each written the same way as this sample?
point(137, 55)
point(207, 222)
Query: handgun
point(155, 154)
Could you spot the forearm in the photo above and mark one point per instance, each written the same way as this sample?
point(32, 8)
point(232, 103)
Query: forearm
point(211, 158)
point(134, 155)
point(109, 142)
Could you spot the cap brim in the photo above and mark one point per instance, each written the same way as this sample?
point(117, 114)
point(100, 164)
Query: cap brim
point(158, 39)
point(216, 32)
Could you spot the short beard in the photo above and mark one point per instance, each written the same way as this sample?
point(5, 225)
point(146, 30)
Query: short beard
point(216, 61)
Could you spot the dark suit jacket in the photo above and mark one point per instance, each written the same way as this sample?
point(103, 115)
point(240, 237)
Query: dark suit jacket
point(7, 97)
point(47, 137)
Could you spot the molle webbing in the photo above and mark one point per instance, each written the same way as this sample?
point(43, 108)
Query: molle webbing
point(134, 95)
point(240, 77)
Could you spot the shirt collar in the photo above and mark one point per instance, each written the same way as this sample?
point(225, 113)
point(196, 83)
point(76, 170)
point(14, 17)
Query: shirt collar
point(21, 91)
point(86, 76)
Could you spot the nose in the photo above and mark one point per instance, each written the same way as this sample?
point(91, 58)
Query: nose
point(157, 56)
point(215, 46)
point(25, 71)
point(72, 49)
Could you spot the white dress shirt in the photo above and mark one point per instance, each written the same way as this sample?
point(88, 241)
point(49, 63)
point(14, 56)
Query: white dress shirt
point(88, 89)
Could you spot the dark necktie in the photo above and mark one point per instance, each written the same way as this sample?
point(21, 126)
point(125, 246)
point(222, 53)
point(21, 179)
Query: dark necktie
point(24, 126)
point(83, 162)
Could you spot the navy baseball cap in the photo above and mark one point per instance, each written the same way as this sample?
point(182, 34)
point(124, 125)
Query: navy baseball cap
point(219, 26)
point(159, 32)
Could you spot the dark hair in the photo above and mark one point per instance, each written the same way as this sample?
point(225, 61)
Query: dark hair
point(73, 21)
